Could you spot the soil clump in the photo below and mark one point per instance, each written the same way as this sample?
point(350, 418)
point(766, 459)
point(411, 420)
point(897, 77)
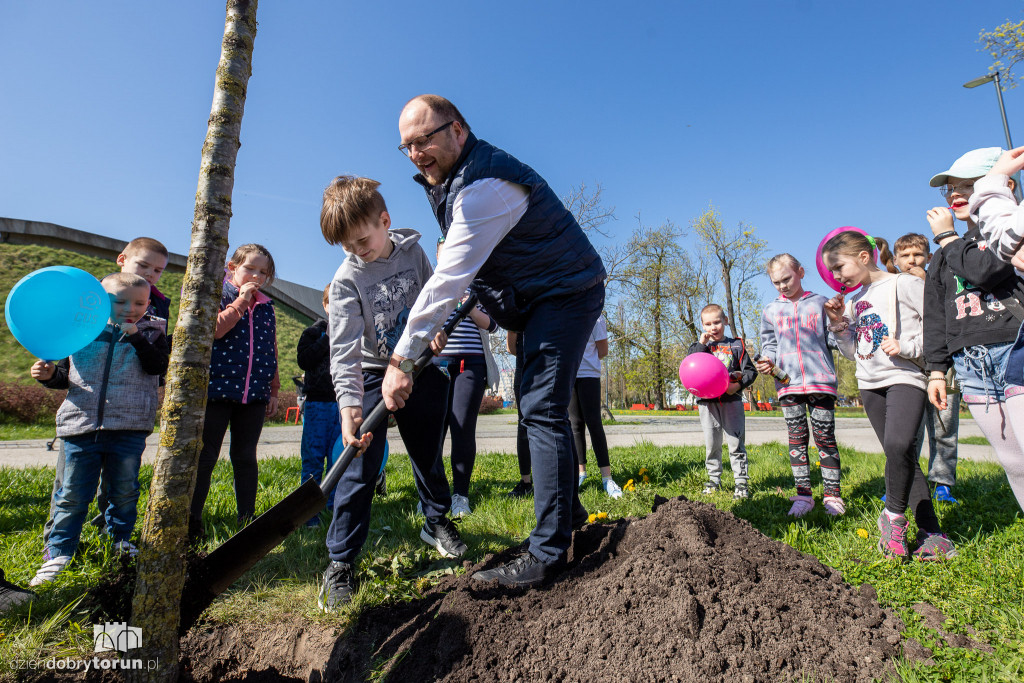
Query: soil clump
point(688, 593)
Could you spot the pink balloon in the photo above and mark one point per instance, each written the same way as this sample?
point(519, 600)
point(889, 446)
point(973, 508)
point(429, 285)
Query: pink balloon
point(704, 375)
point(824, 272)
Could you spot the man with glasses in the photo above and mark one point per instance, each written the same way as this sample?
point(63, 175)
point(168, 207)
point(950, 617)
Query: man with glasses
point(536, 273)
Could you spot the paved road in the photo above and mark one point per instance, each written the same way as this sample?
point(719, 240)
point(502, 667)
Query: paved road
point(497, 433)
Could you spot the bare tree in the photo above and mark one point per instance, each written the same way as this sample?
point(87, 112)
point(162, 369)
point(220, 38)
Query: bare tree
point(161, 568)
point(740, 256)
point(585, 205)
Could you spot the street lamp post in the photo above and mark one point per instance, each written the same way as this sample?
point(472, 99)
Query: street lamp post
point(994, 78)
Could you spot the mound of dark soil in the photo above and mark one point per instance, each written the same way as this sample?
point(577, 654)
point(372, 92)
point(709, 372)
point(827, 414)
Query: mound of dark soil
point(688, 593)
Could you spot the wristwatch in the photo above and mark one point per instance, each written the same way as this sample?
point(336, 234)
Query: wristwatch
point(408, 365)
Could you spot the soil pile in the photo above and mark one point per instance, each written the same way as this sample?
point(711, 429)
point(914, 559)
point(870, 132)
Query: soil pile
point(687, 593)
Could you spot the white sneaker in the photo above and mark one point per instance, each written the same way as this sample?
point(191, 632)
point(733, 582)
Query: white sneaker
point(460, 506)
point(612, 489)
point(126, 547)
point(48, 572)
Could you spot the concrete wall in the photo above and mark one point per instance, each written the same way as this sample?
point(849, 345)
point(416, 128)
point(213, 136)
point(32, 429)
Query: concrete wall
point(306, 300)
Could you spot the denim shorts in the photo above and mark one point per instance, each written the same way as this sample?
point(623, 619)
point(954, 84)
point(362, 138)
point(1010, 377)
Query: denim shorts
point(979, 370)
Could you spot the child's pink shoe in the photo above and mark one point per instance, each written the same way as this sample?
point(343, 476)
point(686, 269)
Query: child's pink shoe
point(834, 505)
point(801, 505)
point(893, 541)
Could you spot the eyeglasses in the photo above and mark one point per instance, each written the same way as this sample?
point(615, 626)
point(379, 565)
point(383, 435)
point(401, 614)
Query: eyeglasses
point(422, 141)
point(964, 188)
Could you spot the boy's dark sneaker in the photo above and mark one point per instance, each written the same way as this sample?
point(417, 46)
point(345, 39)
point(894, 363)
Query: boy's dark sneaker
point(11, 595)
point(893, 541)
point(337, 588)
point(522, 489)
point(444, 538)
point(381, 488)
point(525, 570)
point(933, 547)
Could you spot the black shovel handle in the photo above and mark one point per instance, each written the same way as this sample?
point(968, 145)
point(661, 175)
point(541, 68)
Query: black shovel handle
point(380, 411)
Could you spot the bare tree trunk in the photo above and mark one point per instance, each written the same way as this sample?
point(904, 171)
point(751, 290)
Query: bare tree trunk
point(161, 568)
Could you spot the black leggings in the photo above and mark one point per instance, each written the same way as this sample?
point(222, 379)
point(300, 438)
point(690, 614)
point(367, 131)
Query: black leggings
point(585, 415)
point(895, 414)
point(246, 421)
point(469, 379)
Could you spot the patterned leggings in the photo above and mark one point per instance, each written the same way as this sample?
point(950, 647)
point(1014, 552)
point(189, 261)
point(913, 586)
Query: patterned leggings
point(823, 421)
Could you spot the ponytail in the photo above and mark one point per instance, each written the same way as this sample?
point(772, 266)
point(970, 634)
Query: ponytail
point(851, 243)
point(885, 256)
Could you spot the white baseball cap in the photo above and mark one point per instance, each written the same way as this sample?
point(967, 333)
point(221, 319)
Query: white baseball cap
point(974, 164)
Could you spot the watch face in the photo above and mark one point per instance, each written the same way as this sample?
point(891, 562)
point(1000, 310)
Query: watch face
point(407, 365)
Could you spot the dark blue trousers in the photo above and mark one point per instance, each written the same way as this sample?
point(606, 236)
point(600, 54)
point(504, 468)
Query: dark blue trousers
point(555, 338)
point(420, 423)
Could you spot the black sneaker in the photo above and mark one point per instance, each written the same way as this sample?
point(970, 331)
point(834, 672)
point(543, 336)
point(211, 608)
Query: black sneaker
point(521, 490)
point(11, 595)
point(381, 488)
point(338, 586)
point(444, 538)
point(525, 570)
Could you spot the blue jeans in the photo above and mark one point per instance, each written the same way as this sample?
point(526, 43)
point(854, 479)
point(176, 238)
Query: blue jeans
point(119, 454)
point(420, 423)
point(321, 427)
point(556, 335)
point(943, 427)
point(980, 371)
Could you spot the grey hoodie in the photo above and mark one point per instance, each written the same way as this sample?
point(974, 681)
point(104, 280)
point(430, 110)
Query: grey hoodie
point(368, 309)
point(795, 337)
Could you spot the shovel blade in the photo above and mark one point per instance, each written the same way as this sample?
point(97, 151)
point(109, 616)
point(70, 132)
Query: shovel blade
point(239, 553)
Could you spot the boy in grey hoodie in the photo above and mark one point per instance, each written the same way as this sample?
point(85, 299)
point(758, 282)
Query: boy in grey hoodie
point(369, 304)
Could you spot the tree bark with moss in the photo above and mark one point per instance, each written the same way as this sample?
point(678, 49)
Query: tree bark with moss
point(161, 564)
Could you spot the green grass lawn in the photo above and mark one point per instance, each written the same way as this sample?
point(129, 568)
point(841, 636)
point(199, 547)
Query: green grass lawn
point(981, 589)
point(974, 440)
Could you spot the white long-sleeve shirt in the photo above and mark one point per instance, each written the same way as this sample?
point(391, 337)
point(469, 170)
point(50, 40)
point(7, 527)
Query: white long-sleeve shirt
point(483, 213)
point(994, 208)
point(871, 318)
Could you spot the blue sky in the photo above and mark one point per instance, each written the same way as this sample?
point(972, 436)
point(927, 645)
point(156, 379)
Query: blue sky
point(793, 117)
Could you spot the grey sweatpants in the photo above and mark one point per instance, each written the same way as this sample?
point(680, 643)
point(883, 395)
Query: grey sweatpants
point(724, 418)
point(943, 427)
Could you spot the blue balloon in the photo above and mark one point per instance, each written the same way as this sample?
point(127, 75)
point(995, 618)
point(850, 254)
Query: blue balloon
point(339, 447)
point(54, 312)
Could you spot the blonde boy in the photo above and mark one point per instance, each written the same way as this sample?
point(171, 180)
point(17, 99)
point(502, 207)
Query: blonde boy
point(724, 415)
point(369, 303)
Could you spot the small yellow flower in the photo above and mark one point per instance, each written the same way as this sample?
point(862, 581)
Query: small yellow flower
point(591, 518)
point(863, 533)
point(602, 515)
point(643, 471)
point(629, 486)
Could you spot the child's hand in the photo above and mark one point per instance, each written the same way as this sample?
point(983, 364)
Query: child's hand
point(834, 308)
point(916, 271)
point(937, 393)
point(247, 291)
point(764, 366)
point(42, 370)
point(1009, 163)
point(440, 341)
point(271, 407)
point(351, 418)
point(940, 219)
point(890, 346)
point(733, 388)
point(129, 328)
point(705, 337)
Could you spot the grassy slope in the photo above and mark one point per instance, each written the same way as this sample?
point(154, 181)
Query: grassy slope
point(16, 261)
point(980, 589)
